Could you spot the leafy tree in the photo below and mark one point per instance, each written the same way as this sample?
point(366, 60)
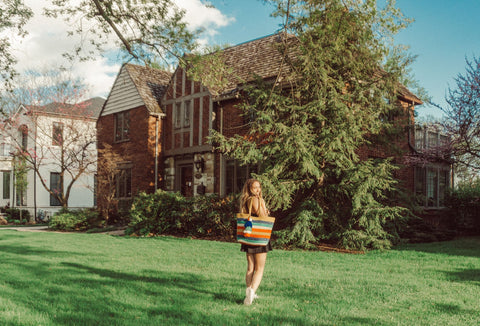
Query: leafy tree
point(13, 17)
point(67, 146)
point(145, 30)
point(340, 83)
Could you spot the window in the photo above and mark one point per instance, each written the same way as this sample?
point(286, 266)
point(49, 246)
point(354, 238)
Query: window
point(57, 134)
point(6, 184)
point(4, 149)
point(431, 184)
point(186, 113)
point(56, 187)
point(182, 114)
point(123, 183)
point(24, 136)
point(419, 138)
point(237, 175)
point(178, 115)
point(122, 126)
point(427, 138)
point(432, 139)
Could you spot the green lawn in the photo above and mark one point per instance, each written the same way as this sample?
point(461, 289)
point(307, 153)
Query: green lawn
point(96, 279)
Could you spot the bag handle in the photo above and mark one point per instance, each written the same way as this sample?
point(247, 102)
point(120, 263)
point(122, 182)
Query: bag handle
point(250, 208)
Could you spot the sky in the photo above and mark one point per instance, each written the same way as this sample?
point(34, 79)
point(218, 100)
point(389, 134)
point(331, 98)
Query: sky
point(443, 35)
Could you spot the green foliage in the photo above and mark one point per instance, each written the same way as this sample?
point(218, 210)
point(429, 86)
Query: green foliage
point(14, 16)
point(147, 31)
point(158, 213)
point(171, 213)
point(464, 202)
point(306, 227)
point(329, 106)
point(15, 214)
point(75, 220)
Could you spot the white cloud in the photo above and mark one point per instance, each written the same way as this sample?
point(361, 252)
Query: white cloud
point(47, 41)
point(199, 15)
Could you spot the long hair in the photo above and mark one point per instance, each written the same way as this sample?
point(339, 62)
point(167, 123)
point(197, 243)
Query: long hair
point(246, 193)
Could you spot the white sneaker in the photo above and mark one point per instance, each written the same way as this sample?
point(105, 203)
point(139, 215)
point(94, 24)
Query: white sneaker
point(250, 295)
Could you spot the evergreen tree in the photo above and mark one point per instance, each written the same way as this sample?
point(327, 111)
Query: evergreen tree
point(339, 83)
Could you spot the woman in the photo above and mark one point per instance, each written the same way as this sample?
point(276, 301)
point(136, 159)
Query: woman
point(256, 255)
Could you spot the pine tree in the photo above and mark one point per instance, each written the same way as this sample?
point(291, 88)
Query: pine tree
point(339, 83)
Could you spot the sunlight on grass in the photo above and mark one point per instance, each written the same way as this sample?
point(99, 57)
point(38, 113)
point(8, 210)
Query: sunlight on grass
point(96, 279)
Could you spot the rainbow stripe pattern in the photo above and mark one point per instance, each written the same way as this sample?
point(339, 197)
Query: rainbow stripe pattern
point(259, 229)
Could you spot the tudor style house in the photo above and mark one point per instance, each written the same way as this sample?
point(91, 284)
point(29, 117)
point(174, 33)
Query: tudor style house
point(58, 140)
point(161, 122)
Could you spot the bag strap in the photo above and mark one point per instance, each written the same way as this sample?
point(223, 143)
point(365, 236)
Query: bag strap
point(250, 208)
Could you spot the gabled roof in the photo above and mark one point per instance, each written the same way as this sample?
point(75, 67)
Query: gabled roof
point(261, 57)
point(87, 109)
point(150, 83)
point(257, 58)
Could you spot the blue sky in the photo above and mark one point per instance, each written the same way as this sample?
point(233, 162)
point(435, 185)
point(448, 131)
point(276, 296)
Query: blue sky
point(443, 34)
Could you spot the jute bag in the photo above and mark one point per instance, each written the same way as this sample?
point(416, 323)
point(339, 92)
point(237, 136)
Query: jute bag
point(253, 230)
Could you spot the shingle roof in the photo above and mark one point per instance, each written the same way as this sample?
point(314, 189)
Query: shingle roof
point(258, 58)
point(90, 108)
point(261, 57)
point(151, 84)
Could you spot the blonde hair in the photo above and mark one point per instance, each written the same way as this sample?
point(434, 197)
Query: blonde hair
point(247, 193)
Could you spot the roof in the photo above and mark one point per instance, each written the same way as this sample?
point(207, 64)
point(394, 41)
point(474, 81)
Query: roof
point(90, 108)
point(150, 83)
point(257, 58)
point(261, 58)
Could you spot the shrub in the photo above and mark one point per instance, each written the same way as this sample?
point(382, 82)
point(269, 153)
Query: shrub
point(13, 215)
point(464, 204)
point(212, 216)
point(157, 213)
point(171, 213)
point(75, 220)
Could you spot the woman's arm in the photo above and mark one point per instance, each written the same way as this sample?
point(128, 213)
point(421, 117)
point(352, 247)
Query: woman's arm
point(258, 207)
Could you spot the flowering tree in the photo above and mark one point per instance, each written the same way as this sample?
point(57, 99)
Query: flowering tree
point(57, 137)
point(462, 122)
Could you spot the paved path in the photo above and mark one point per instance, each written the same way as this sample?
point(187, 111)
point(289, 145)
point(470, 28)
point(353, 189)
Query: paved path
point(33, 228)
point(27, 228)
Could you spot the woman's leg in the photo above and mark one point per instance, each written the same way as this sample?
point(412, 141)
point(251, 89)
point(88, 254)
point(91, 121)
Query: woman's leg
point(259, 266)
point(250, 269)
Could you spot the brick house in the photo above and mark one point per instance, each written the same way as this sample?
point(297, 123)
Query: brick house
point(131, 123)
point(187, 114)
point(192, 111)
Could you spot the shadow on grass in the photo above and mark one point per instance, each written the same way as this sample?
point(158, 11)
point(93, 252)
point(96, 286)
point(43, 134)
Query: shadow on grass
point(25, 250)
point(467, 247)
point(77, 293)
point(465, 275)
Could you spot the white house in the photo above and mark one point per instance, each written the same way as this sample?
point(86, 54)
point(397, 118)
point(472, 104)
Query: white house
point(55, 142)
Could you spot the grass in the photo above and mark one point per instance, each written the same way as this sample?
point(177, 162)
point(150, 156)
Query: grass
point(96, 279)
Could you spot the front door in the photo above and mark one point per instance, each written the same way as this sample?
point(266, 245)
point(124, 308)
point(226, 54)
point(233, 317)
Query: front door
point(187, 180)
